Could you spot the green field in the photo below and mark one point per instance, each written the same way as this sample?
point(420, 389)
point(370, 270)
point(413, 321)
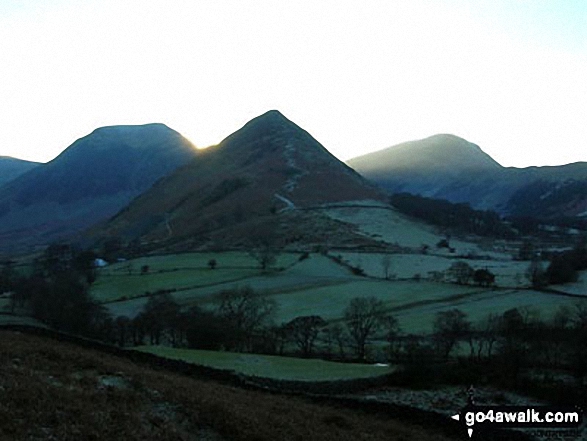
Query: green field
point(270, 366)
point(9, 319)
point(176, 272)
point(330, 301)
point(315, 286)
point(419, 319)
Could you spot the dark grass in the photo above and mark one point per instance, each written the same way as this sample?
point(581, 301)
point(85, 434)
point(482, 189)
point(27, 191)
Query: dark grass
point(58, 390)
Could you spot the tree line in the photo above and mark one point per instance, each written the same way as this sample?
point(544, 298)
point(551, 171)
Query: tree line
point(459, 216)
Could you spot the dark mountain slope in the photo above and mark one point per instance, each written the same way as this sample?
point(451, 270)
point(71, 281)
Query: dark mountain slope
point(448, 167)
point(91, 180)
point(268, 167)
point(11, 168)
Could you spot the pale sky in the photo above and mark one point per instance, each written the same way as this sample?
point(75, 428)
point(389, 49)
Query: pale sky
point(360, 76)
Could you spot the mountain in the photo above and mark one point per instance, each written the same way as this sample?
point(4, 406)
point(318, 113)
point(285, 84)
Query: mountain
point(433, 167)
point(260, 175)
point(444, 153)
point(451, 168)
point(11, 168)
point(91, 180)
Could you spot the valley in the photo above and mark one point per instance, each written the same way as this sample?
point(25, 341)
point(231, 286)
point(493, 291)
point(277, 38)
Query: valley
point(267, 260)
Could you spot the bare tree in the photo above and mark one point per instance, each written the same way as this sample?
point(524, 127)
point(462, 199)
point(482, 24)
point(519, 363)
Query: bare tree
point(160, 314)
point(386, 264)
point(304, 332)
point(392, 332)
point(461, 272)
point(264, 245)
point(536, 274)
point(335, 333)
point(449, 327)
point(364, 317)
point(484, 335)
point(247, 312)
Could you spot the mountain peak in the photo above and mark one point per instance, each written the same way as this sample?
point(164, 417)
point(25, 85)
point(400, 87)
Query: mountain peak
point(268, 130)
point(272, 114)
point(438, 152)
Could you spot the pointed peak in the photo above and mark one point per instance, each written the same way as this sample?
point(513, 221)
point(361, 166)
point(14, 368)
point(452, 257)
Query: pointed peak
point(269, 124)
point(272, 114)
point(271, 118)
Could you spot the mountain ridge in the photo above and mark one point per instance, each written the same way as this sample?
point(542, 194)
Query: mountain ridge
point(11, 168)
point(483, 183)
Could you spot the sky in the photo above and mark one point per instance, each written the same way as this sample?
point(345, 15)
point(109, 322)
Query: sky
point(508, 75)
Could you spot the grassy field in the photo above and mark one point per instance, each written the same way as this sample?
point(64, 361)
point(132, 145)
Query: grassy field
point(319, 286)
point(312, 272)
point(176, 272)
point(509, 273)
point(419, 319)
point(8, 319)
point(330, 301)
point(270, 366)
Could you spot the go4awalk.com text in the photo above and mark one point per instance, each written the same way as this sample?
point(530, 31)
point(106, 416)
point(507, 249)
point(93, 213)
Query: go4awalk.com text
point(511, 417)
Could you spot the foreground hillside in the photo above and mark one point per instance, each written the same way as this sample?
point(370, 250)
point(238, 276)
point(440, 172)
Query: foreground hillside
point(56, 390)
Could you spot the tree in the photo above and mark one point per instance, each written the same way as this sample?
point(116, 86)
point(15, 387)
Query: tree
point(513, 347)
point(122, 326)
point(536, 274)
point(160, 314)
point(212, 264)
point(490, 332)
point(264, 245)
point(364, 316)
point(386, 264)
point(449, 327)
point(392, 332)
point(247, 313)
point(205, 330)
point(526, 251)
point(461, 272)
point(580, 253)
point(65, 304)
point(335, 333)
point(483, 277)
point(562, 269)
point(266, 255)
point(304, 332)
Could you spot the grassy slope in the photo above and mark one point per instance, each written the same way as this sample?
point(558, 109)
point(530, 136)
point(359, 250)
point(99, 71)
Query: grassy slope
point(269, 366)
point(53, 390)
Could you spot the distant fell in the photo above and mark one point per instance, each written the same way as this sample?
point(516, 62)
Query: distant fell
point(451, 168)
point(92, 179)
point(443, 152)
point(11, 168)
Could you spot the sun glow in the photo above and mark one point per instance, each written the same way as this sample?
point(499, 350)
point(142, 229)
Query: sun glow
point(505, 75)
